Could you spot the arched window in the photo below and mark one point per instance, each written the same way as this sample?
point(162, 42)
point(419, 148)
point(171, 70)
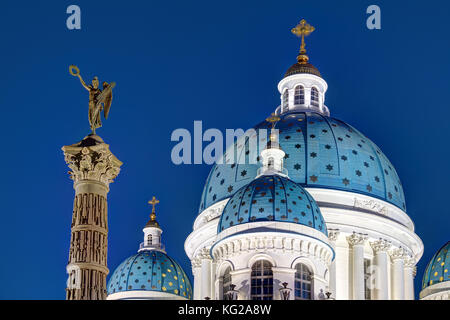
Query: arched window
point(299, 96)
point(314, 97)
point(149, 240)
point(303, 282)
point(262, 281)
point(284, 107)
point(226, 283)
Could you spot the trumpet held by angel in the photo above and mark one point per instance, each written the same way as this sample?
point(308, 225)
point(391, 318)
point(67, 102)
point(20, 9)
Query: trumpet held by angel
point(99, 99)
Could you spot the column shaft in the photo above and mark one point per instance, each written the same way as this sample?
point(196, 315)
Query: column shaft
point(358, 272)
point(206, 278)
point(397, 280)
point(409, 282)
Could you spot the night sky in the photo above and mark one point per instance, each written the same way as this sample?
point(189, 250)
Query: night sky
point(179, 61)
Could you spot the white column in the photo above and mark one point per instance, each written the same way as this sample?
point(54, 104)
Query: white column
point(206, 270)
point(213, 279)
point(409, 273)
point(281, 275)
point(333, 236)
point(241, 279)
point(398, 278)
point(342, 266)
point(380, 248)
point(356, 241)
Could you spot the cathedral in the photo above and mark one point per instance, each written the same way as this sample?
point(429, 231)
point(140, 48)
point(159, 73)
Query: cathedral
point(317, 212)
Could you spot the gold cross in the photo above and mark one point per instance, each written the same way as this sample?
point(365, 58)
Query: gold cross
point(303, 29)
point(153, 202)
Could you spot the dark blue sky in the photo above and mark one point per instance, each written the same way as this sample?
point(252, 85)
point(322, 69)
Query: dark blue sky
point(179, 61)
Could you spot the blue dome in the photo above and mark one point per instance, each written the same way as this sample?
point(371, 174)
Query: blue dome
point(150, 271)
point(438, 268)
point(321, 152)
point(272, 198)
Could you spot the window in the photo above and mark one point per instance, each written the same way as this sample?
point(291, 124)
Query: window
point(367, 279)
point(149, 240)
point(226, 283)
point(314, 97)
point(303, 282)
point(299, 96)
point(262, 281)
point(284, 107)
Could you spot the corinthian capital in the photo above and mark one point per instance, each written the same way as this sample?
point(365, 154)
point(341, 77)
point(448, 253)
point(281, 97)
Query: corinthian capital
point(204, 254)
point(91, 159)
point(381, 245)
point(410, 262)
point(333, 234)
point(356, 239)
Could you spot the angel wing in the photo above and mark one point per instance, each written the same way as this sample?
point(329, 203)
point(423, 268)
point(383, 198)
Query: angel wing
point(106, 97)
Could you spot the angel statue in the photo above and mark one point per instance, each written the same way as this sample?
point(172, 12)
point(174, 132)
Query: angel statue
point(99, 100)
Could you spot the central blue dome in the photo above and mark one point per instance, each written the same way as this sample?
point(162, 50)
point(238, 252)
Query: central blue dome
point(272, 198)
point(321, 152)
point(150, 270)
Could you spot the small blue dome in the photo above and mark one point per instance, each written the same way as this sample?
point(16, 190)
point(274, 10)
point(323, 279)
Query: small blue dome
point(321, 152)
point(438, 268)
point(272, 198)
point(150, 270)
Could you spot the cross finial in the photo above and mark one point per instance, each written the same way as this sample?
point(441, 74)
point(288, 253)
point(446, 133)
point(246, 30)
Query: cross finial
point(303, 29)
point(153, 202)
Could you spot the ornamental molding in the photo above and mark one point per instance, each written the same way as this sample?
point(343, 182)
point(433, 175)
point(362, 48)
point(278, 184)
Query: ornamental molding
point(94, 163)
point(381, 245)
point(227, 249)
point(213, 213)
point(357, 239)
point(371, 205)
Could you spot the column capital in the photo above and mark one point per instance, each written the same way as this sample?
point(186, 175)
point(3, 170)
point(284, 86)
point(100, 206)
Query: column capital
point(357, 239)
point(398, 254)
point(91, 160)
point(333, 234)
point(381, 245)
point(410, 262)
point(196, 263)
point(204, 253)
